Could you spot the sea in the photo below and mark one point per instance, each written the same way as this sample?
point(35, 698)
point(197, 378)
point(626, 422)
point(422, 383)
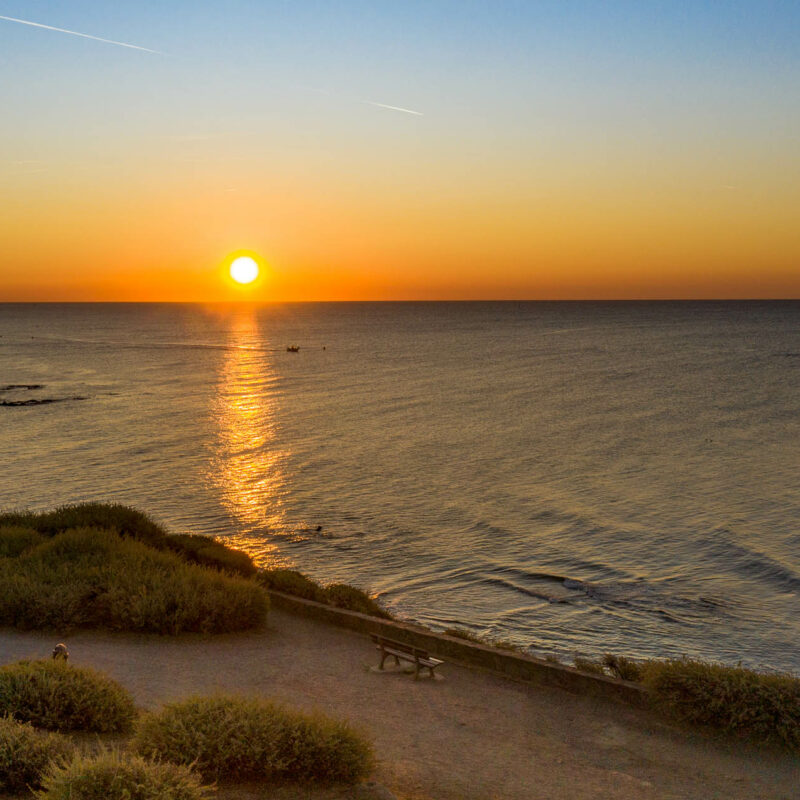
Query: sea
point(573, 478)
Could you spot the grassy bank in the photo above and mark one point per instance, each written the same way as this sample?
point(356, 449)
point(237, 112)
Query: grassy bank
point(762, 707)
point(110, 567)
point(339, 595)
point(105, 565)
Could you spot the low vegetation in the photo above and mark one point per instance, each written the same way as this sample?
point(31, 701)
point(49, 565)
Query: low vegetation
point(463, 633)
point(625, 669)
point(737, 700)
point(210, 552)
point(589, 665)
point(93, 578)
point(760, 706)
point(469, 636)
point(25, 755)
point(132, 524)
point(60, 697)
point(250, 739)
point(340, 595)
point(115, 776)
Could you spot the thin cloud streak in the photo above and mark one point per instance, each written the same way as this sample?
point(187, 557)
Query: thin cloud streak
point(394, 108)
point(82, 35)
point(352, 99)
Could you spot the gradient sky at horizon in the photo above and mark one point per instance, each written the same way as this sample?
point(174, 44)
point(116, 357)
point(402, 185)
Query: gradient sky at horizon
point(561, 150)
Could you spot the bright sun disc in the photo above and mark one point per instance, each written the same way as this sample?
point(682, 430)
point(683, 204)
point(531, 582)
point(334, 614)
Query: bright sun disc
point(244, 269)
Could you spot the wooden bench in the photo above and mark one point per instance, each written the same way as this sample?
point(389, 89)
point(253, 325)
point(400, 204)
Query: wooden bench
point(406, 652)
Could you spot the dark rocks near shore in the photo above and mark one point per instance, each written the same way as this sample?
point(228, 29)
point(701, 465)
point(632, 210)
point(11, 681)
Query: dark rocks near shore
point(33, 401)
point(42, 402)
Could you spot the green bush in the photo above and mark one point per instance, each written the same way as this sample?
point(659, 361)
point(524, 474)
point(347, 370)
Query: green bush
point(113, 776)
point(210, 552)
point(26, 753)
point(734, 699)
point(239, 738)
point(589, 665)
point(623, 668)
point(292, 582)
point(57, 696)
point(93, 578)
point(130, 523)
point(15, 540)
point(109, 516)
point(342, 595)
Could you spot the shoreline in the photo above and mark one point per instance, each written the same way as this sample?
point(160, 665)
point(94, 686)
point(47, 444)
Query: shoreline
point(511, 664)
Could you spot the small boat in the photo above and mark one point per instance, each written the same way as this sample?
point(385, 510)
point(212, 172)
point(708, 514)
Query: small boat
point(293, 349)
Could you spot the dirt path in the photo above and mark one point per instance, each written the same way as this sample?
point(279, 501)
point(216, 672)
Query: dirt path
point(470, 735)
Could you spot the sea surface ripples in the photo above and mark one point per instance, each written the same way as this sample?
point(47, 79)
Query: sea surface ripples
point(590, 477)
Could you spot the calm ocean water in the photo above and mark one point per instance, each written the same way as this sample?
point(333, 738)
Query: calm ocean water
point(574, 477)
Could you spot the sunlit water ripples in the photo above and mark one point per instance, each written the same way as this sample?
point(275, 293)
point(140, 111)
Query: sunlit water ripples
point(572, 477)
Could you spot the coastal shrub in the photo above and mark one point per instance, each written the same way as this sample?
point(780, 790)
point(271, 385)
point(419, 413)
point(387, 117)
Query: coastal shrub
point(292, 582)
point(249, 738)
point(26, 753)
point(61, 697)
point(734, 699)
point(623, 668)
point(210, 552)
point(589, 665)
point(116, 776)
point(133, 524)
point(342, 595)
point(15, 540)
point(94, 578)
point(109, 516)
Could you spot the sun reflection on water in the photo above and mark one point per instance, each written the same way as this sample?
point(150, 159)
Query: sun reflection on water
point(248, 467)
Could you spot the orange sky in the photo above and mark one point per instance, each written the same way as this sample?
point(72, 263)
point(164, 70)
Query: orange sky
point(531, 171)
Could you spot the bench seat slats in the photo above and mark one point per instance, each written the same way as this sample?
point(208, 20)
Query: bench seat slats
point(401, 650)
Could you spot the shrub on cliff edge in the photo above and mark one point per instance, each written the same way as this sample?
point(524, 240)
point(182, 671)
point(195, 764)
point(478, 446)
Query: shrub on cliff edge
point(61, 697)
point(734, 699)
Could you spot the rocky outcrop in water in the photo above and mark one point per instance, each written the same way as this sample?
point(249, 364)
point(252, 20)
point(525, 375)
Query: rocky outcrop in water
point(32, 401)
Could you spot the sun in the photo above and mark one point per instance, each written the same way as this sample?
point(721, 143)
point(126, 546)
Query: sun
point(244, 269)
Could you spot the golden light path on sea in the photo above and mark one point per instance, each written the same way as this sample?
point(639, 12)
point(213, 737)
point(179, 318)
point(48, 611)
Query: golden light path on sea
point(247, 467)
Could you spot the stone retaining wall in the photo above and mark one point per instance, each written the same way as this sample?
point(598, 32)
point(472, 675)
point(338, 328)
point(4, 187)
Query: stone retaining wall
point(451, 648)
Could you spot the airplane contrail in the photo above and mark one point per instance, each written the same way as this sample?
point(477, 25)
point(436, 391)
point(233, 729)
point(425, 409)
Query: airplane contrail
point(160, 53)
point(82, 35)
point(395, 108)
point(351, 99)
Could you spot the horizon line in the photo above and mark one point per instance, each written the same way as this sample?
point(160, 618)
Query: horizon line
point(440, 300)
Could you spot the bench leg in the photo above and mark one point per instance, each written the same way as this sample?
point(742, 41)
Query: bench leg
point(383, 658)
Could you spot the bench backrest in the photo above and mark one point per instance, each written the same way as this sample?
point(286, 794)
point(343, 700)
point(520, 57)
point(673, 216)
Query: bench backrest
point(402, 646)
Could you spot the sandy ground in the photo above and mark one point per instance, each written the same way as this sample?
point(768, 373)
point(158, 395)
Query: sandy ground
point(469, 735)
